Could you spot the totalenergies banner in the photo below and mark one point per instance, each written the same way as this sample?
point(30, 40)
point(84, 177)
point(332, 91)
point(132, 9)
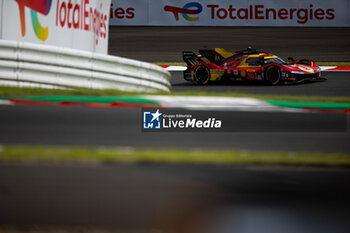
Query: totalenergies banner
point(294, 13)
point(78, 24)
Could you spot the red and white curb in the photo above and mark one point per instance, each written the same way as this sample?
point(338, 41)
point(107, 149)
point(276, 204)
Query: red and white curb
point(208, 103)
point(116, 104)
point(175, 68)
point(217, 103)
point(185, 102)
point(335, 68)
point(323, 68)
point(6, 102)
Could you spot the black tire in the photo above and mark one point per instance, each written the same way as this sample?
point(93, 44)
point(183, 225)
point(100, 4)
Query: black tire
point(273, 75)
point(202, 75)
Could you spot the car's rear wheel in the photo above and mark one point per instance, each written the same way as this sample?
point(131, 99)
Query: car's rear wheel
point(202, 75)
point(273, 75)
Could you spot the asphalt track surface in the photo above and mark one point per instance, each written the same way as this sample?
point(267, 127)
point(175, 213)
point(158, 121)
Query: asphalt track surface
point(337, 84)
point(63, 125)
point(177, 198)
point(174, 198)
point(165, 44)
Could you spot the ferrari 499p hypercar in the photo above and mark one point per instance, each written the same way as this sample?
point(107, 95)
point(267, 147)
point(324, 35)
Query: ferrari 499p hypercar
point(249, 64)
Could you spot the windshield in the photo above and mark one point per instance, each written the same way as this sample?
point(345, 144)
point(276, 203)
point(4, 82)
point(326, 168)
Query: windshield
point(274, 60)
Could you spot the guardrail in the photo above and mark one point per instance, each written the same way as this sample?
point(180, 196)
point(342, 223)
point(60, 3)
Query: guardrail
point(32, 65)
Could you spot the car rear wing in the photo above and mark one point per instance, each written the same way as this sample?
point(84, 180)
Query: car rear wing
point(191, 58)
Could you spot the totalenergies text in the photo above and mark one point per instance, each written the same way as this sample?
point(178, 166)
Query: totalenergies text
point(260, 12)
point(81, 17)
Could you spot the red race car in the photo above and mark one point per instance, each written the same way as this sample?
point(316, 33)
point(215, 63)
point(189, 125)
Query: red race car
point(248, 64)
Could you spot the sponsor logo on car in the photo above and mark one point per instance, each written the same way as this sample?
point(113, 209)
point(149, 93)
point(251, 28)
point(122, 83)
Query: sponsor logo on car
point(305, 68)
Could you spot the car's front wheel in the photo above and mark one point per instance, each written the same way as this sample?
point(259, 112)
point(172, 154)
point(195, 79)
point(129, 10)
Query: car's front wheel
point(273, 75)
point(202, 75)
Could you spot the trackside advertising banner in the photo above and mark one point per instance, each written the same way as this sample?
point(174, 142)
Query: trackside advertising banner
point(294, 13)
point(77, 24)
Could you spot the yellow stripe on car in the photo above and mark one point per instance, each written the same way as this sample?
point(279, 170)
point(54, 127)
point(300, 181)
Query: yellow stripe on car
point(223, 52)
point(215, 74)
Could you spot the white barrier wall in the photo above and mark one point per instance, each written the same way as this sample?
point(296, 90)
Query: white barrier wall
point(78, 24)
point(31, 65)
point(315, 13)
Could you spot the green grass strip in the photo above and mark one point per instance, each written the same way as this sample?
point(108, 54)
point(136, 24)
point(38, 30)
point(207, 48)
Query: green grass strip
point(337, 99)
point(6, 91)
point(187, 156)
point(140, 100)
point(11, 92)
point(302, 104)
point(89, 99)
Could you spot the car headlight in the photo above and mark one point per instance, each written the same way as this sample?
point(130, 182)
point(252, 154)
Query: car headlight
point(318, 69)
point(297, 72)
